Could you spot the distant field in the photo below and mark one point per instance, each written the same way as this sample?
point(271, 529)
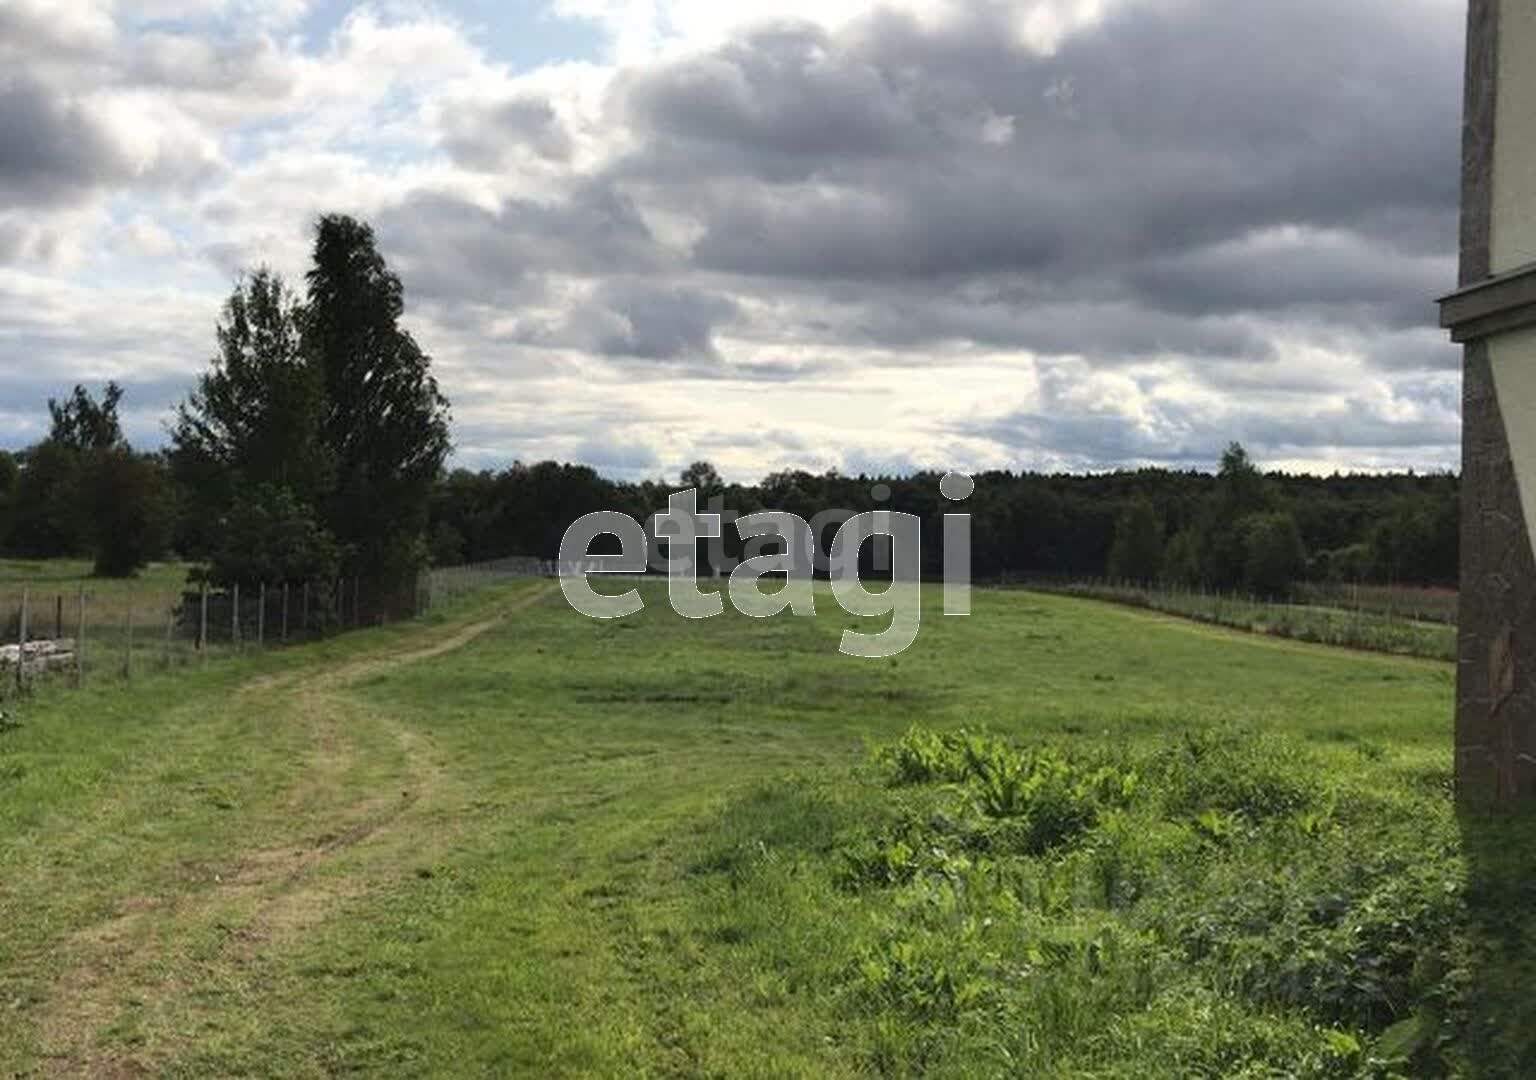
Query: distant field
point(510, 840)
point(1377, 619)
point(128, 622)
point(68, 575)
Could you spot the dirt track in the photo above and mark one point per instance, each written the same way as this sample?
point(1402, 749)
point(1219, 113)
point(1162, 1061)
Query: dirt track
point(342, 840)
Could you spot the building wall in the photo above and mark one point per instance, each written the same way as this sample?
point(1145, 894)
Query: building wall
point(1496, 670)
point(1512, 357)
point(1514, 156)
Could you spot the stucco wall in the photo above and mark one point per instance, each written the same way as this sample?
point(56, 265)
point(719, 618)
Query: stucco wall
point(1512, 357)
point(1514, 156)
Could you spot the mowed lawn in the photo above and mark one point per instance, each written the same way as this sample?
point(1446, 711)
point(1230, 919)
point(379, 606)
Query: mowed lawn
point(511, 840)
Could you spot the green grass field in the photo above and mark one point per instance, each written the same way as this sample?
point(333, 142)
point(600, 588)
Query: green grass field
point(509, 840)
point(48, 576)
point(130, 626)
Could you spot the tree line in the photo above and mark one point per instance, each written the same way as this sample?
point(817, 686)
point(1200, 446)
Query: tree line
point(308, 449)
point(1235, 528)
point(314, 446)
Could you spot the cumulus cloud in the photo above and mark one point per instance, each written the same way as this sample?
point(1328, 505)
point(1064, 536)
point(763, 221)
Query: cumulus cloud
point(1064, 233)
point(51, 148)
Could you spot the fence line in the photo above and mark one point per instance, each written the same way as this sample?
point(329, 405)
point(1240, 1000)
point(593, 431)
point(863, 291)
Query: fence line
point(447, 582)
point(77, 634)
point(1380, 628)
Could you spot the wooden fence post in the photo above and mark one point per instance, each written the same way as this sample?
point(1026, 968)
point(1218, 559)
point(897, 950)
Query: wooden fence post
point(234, 617)
point(306, 611)
point(21, 646)
point(128, 644)
point(202, 621)
point(80, 642)
point(170, 630)
point(261, 617)
point(285, 613)
point(58, 615)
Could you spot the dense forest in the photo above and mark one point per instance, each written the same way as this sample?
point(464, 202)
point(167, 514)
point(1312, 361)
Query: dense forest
point(315, 445)
point(1234, 527)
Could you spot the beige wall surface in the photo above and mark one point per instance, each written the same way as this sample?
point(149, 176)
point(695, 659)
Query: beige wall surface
point(1513, 359)
point(1514, 155)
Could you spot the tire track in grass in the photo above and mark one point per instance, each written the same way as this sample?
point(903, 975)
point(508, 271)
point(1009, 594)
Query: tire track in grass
point(152, 957)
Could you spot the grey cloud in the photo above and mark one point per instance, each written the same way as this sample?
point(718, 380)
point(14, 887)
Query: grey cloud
point(51, 151)
point(1113, 330)
point(1251, 274)
point(485, 139)
point(1146, 154)
point(660, 322)
point(635, 318)
point(450, 249)
point(1098, 434)
point(932, 189)
point(782, 102)
point(1421, 349)
point(845, 181)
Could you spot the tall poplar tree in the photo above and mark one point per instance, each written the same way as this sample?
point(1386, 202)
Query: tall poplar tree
point(384, 423)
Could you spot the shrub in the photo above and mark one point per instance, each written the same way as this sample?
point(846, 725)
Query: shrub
point(1253, 776)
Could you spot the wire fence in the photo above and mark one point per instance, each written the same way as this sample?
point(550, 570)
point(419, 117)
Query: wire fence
point(447, 582)
point(1376, 622)
point(87, 631)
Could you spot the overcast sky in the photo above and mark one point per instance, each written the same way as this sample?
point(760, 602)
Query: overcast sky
point(809, 233)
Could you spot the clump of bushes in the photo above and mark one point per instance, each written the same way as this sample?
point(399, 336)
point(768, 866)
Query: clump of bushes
point(1010, 799)
point(1249, 904)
